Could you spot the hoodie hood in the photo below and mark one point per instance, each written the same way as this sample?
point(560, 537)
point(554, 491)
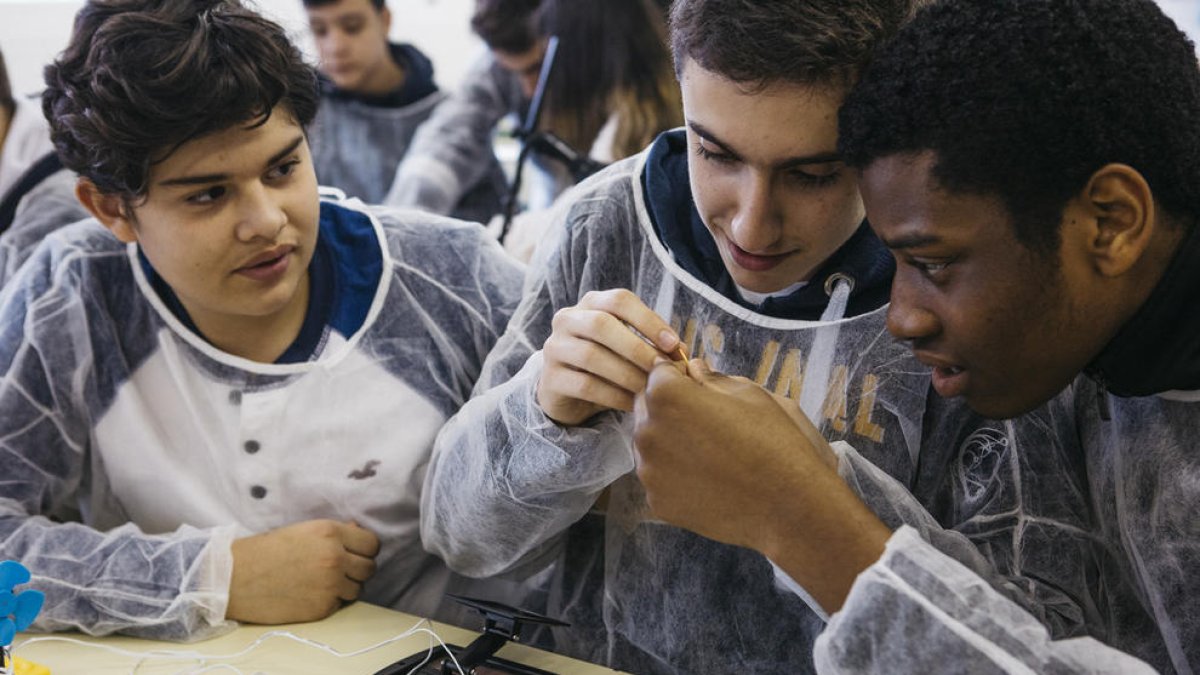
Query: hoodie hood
point(418, 81)
point(863, 258)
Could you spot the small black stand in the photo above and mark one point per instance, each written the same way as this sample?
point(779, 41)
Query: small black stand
point(501, 625)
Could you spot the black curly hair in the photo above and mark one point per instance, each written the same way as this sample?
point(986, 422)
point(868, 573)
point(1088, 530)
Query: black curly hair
point(139, 78)
point(1025, 100)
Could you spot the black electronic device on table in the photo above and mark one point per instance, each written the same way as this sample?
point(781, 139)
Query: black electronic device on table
point(502, 624)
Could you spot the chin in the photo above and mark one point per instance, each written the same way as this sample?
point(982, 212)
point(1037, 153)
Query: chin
point(1000, 407)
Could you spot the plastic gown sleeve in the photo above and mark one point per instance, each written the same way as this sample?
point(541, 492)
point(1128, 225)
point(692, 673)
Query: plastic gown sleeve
point(168, 586)
point(917, 610)
point(49, 206)
point(933, 588)
point(521, 479)
point(452, 150)
point(505, 481)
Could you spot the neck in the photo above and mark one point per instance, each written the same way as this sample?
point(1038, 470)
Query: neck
point(257, 338)
point(384, 79)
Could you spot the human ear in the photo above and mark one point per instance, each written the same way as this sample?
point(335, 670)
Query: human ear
point(108, 208)
point(1119, 202)
point(385, 15)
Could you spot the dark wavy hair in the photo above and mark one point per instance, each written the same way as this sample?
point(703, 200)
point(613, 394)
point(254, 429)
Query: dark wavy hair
point(759, 42)
point(142, 77)
point(6, 95)
point(612, 58)
point(1026, 99)
point(506, 25)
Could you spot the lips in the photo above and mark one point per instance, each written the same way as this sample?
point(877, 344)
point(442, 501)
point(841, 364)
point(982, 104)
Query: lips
point(949, 379)
point(752, 261)
point(268, 265)
point(267, 256)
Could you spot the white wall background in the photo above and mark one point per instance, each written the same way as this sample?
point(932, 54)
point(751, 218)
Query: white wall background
point(32, 32)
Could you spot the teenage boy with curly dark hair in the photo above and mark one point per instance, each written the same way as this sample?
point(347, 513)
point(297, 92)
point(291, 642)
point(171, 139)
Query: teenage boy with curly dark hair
point(219, 395)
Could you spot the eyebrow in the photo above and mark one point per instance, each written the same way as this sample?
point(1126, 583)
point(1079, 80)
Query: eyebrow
point(905, 242)
point(219, 177)
point(819, 158)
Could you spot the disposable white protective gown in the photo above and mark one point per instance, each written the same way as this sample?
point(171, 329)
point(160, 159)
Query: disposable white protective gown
point(511, 491)
point(133, 452)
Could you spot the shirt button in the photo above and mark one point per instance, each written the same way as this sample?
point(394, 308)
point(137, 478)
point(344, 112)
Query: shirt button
point(252, 447)
point(235, 397)
point(258, 492)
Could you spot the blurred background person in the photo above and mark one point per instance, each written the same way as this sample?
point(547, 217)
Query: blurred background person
point(37, 195)
point(24, 135)
point(374, 95)
point(612, 91)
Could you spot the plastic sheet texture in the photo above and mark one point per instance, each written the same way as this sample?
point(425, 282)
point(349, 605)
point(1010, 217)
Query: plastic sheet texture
point(133, 451)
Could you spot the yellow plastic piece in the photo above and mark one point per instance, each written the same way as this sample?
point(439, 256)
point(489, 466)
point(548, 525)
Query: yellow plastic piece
point(23, 667)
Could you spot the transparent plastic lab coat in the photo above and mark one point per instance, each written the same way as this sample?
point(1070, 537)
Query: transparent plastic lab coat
point(511, 491)
point(1144, 483)
point(132, 452)
point(50, 205)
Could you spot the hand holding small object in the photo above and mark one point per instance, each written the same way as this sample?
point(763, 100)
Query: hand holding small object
point(599, 355)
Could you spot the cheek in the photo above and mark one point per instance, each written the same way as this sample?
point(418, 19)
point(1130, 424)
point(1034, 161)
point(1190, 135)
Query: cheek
point(714, 192)
point(830, 215)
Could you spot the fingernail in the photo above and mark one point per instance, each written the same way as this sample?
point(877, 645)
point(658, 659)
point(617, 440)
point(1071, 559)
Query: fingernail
point(667, 340)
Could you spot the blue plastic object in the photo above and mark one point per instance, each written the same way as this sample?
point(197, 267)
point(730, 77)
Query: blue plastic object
point(17, 610)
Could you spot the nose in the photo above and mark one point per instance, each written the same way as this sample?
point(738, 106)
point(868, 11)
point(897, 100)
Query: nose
point(333, 44)
point(757, 223)
point(261, 215)
point(907, 318)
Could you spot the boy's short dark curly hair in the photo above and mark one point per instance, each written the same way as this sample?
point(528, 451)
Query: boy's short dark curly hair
point(760, 42)
point(1026, 99)
point(141, 77)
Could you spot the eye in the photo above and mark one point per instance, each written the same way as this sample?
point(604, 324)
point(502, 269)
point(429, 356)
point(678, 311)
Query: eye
point(713, 155)
point(807, 179)
point(934, 270)
point(283, 170)
point(207, 196)
point(353, 26)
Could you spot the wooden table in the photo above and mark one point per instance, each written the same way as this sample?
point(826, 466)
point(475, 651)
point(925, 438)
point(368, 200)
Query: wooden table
point(352, 628)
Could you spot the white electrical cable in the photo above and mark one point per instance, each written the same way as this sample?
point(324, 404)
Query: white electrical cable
point(205, 659)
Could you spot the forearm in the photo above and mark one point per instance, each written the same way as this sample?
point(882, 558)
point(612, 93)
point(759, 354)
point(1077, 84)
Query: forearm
point(823, 543)
point(915, 595)
point(997, 540)
point(452, 150)
point(505, 482)
point(172, 586)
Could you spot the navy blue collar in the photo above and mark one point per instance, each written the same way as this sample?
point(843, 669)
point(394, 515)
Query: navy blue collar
point(343, 276)
point(678, 225)
point(418, 81)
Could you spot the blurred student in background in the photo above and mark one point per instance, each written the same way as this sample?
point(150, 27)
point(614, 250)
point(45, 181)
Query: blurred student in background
point(613, 91)
point(374, 95)
point(37, 195)
point(24, 136)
